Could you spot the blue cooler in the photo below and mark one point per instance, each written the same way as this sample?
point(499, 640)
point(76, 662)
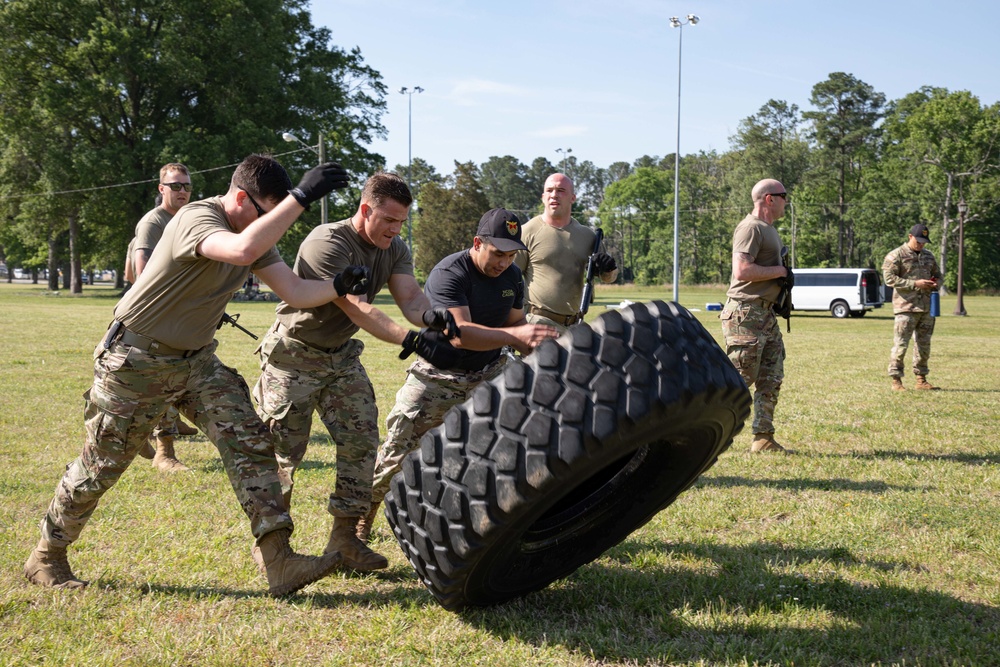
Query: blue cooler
point(935, 304)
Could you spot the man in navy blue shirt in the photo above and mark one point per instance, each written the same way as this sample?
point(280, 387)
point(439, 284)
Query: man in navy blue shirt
point(483, 290)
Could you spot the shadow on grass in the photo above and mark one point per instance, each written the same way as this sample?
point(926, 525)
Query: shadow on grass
point(800, 484)
point(744, 610)
point(896, 455)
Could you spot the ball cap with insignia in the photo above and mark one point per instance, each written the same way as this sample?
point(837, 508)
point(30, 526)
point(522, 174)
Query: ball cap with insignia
point(919, 232)
point(501, 229)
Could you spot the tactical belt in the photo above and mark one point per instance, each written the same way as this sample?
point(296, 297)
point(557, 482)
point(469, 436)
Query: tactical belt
point(564, 320)
point(282, 330)
point(152, 346)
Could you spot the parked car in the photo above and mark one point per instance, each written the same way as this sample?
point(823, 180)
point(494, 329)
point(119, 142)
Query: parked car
point(844, 292)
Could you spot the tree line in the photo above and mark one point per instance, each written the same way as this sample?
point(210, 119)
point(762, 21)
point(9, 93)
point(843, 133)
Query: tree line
point(96, 96)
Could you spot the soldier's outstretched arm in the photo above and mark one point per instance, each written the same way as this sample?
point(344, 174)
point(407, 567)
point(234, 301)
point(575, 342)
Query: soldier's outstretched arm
point(409, 297)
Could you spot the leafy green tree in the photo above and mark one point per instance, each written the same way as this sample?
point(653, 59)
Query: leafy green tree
point(204, 82)
point(844, 127)
point(419, 174)
point(639, 210)
point(506, 183)
point(449, 217)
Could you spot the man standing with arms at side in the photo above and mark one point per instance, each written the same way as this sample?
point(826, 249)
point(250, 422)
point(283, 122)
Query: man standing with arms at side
point(555, 260)
point(160, 351)
point(749, 325)
point(482, 289)
point(310, 360)
point(175, 192)
point(912, 273)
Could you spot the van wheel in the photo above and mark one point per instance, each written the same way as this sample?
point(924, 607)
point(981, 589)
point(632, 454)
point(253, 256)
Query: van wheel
point(565, 454)
point(858, 313)
point(840, 309)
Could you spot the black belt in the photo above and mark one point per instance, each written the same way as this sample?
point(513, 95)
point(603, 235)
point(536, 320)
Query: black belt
point(152, 346)
point(565, 320)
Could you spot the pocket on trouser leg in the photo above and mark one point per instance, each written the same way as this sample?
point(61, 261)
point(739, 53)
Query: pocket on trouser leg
point(109, 425)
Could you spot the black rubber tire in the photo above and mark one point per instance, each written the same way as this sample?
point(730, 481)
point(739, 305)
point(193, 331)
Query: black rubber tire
point(858, 313)
point(565, 454)
point(840, 309)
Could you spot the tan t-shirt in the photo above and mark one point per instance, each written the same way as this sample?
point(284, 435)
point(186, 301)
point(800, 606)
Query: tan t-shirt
point(181, 296)
point(760, 240)
point(555, 264)
point(327, 251)
point(149, 230)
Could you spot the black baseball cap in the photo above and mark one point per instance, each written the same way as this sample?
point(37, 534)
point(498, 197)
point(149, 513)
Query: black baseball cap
point(501, 229)
point(919, 232)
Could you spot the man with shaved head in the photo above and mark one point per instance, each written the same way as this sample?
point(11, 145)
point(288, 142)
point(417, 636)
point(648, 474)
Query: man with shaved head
point(749, 324)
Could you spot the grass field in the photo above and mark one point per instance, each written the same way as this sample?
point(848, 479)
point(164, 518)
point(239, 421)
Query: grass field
point(875, 543)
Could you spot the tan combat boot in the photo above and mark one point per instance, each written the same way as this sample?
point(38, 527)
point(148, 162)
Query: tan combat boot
point(147, 451)
point(897, 384)
point(366, 522)
point(922, 383)
point(765, 442)
point(344, 538)
point(288, 571)
point(48, 566)
point(184, 429)
point(165, 459)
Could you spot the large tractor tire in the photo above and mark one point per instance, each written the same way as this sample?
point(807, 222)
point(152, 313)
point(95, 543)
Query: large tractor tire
point(565, 454)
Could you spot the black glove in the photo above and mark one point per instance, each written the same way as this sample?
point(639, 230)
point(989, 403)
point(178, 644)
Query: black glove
point(603, 263)
point(319, 182)
point(789, 280)
point(432, 346)
point(352, 280)
point(441, 319)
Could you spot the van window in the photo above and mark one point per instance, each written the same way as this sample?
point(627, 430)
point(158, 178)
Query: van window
point(826, 279)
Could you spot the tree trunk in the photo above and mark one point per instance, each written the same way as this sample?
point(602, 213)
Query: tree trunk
point(53, 263)
point(75, 286)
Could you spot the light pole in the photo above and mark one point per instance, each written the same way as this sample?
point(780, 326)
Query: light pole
point(963, 208)
point(409, 92)
point(562, 162)
point(677, 23)
point(319, 150)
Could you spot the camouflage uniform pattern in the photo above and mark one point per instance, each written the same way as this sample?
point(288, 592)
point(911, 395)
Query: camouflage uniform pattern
point(296, 380)
point(900, 271)
point(535, 318)
point(754, 345)
point(421, 404)
point(168, 425)
point(130, 395)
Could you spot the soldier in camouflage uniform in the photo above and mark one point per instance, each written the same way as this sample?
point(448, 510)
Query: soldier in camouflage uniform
point(753, 337)
point(482, 289)
point(912, 273)
point(310, 360)
point(160, 351)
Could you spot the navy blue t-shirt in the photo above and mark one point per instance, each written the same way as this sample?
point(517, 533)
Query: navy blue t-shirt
point(456, 281)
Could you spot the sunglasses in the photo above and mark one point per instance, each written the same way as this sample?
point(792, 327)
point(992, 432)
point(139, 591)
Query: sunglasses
point(783, 195)
point(260, 212)
point(177, 187)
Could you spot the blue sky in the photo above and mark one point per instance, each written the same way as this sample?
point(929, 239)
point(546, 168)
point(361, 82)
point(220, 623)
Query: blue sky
point(599, 77)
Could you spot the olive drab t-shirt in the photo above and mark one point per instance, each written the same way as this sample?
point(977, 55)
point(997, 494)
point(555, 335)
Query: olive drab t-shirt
point(149, 229)
point(760, 240)
point(327, 251)
point(555, 264)
point(181, 296)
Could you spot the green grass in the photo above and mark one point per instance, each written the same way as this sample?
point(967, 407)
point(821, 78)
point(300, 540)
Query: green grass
point(876, 543)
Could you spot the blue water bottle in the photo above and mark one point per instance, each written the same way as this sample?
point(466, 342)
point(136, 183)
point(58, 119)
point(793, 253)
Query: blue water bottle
point(935, 304)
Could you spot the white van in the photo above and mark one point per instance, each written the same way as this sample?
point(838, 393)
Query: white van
point(844, 292)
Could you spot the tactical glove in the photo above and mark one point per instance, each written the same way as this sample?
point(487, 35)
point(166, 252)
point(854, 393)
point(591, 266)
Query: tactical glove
point(432, 346)
point(441, 319)
point(352, 280)
point(319, 182)
point(603, 263)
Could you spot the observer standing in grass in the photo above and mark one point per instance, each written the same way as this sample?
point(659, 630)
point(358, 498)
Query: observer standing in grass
point(912, 273)
point(310, 360)
point(482, 289)
point(160, 351)
point(554, 261)
point(749, 324)
point(175, 192)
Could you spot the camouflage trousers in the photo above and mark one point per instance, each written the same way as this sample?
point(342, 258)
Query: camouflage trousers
point(421, 403)
point(297, 380)
point(168, 425)
point(130, 395)
point(754, 345)
point(919, 326)
point(535, 318)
